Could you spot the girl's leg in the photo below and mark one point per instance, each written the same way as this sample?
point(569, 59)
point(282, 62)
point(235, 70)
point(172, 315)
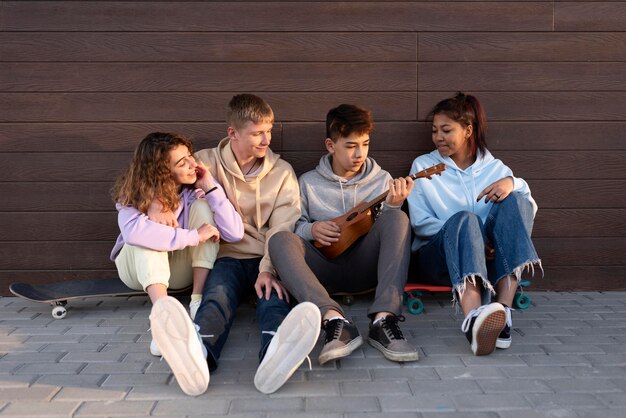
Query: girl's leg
point(202, 256)
point(141, 268)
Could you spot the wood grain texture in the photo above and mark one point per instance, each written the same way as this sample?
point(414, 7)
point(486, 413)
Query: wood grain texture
point(275, 16)
point(81, 83)
point(207, 47)
point(519, 47)
point(190, 106)
point(208, 77)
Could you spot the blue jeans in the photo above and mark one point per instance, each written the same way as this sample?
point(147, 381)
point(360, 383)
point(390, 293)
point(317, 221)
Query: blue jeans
point(457, 252)
point(232, 280)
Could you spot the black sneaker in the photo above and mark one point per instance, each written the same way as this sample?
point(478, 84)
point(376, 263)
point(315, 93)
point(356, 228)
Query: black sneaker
point(387, 337)
point(482, 327)
point(342, 338)
point(504, 339)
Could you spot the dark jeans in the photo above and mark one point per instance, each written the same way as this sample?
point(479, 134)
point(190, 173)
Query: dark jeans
point(231, 281)
point(457, 251)
point(378, 260)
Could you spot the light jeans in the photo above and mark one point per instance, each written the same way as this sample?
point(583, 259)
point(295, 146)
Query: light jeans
point(457, 252)
point(140, 267)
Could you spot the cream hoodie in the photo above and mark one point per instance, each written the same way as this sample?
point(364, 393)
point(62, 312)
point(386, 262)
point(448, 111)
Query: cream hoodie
point(267, 200)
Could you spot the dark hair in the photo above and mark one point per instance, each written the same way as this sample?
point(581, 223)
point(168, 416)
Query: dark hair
point(466, 110)
point(346, 119)
point(148, 175)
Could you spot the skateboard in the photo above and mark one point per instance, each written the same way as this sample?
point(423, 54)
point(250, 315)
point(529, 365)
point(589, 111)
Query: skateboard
point(347, 298)
point(413, 293)
point(59, 293)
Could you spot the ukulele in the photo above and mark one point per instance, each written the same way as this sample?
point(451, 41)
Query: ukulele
point(359, 220)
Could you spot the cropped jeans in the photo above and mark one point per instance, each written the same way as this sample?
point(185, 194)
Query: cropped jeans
point(231, 281)
point(456, 253)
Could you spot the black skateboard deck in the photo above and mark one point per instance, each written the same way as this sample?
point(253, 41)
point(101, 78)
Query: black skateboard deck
point(58, 293)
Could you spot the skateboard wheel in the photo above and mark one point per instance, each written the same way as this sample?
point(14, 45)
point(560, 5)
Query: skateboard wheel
point(415, 306)
point(348, 300)
point(521, 301)
point(59, 312)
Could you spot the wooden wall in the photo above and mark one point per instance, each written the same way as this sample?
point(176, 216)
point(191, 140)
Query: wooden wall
point(82, 82)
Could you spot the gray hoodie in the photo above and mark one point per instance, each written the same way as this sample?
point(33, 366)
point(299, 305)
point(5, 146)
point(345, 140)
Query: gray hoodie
point(324, 195)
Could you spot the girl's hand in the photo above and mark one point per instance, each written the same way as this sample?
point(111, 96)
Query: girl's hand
point(208, 232)
point(497, 191)
point(399, 190)
point(204, 179)
point(326, 232)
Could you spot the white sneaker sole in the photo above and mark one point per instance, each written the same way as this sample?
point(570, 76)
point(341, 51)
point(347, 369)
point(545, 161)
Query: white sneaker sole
point(503, 344)
point(178, 342)
point(295, 338)
point(487, 328)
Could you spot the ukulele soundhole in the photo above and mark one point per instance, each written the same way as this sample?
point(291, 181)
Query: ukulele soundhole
point(352, 216)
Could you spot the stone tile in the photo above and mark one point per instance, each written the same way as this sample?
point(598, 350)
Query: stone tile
point(119, 408)
point(469, 373)
point(487, 402)
point(441, 402)
point(541, 372)
point(293, 405)
point(34, 393)
point(73, 380)
point(563, 400)
point(192, 406)
point(89, 394)
point(30, 408)
point(582, 385)
point(492, 386)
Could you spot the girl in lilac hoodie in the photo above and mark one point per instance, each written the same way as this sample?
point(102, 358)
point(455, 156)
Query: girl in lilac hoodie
point(152, 256)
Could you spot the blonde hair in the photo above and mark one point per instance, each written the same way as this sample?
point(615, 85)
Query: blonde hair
point(248, 107)
point(148, 176)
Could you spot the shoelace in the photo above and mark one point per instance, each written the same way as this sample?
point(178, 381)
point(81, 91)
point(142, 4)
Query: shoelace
point(391, 328)
point(509, 319)
point(468, 319)
point(332, 329)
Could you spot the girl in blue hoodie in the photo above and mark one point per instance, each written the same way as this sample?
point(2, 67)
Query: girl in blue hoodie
point(472, 224)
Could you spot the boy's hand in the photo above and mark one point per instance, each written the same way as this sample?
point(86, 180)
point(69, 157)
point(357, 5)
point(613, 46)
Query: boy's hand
point(265, 282)
point(204, 181)
point(326, 232)
point(208, 232)
point(497, 191)
point(399, 190)
point(156, 214)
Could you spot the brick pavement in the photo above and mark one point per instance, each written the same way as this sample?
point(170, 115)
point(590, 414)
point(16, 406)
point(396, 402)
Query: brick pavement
point(568, 359)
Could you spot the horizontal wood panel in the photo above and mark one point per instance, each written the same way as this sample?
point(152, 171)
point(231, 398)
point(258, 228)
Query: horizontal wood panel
point(540, 106)
point(562, 223)
point(590, 16)
point(275, 16)
point(67, 256)
point(54, 197)
point(581, 251)
point(307, 136)
point(208, 77)
point(94, 196)
point(578, 278)
point(583, 193)
point(193, 107)
point(525, 46)
point(60, 226)
point(213, 47)
point(91, 137)
point(523, 76)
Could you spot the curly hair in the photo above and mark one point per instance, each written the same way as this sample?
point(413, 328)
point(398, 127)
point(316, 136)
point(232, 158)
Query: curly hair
point(148, 175)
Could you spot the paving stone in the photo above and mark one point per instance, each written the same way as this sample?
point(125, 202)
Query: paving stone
point(601, 413)
point(563, 400)
point(33, 408)
point(418, 403)
point(396, 374)
point(491, 386)
point(437, 387)
point(608, 359)
point(375, 389)
point(347, 405)
point(469, 372)
point(89, 394)
point(125, 409)
point(134, 379)
point(308, 389)
point(541, 372)
point(91, 330)
point(464, 414)
point(75, 346)
point(115, 368)
point(35, 393)
point(613, 400)
point(545, 413)
point(17, 381)
point(293, 405)
point(73, 380)
point(191, 406)
point(557, 360)
point(93, 357)
point(50, 368)
point(582, 385)
point(487, 402)
point(338, 375)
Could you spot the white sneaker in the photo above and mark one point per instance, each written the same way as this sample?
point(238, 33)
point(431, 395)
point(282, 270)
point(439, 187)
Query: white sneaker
point(482, 327)
point(193, 308)
point(154, 350)
point(292, 343)
point(178, 340)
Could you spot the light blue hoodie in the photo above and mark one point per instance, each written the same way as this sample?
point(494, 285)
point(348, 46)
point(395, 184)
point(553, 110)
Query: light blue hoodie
point(433, 202)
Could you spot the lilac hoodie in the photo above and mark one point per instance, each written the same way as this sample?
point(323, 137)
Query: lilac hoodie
point(136, 229)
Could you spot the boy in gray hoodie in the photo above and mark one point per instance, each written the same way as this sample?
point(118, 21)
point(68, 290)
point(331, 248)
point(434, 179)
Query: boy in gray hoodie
point(345, 177)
